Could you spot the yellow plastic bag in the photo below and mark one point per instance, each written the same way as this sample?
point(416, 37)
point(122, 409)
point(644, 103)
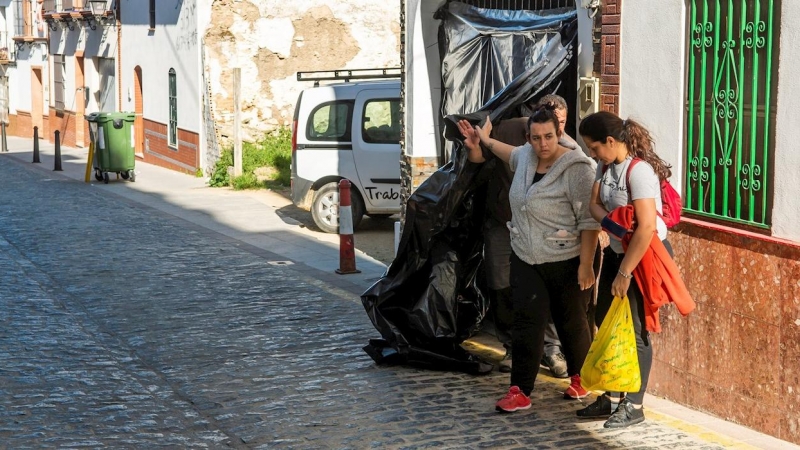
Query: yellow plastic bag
point(612, 363)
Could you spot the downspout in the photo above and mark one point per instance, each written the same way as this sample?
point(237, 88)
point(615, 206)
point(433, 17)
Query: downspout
point(117, 18)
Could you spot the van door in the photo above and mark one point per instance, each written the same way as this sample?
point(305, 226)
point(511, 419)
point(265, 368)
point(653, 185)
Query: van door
point(376, 147)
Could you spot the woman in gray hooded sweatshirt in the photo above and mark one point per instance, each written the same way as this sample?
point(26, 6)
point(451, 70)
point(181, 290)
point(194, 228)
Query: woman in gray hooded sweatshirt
point(553, 238)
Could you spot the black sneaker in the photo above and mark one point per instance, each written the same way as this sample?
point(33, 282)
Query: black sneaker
point(600, 408)
point(625, 415)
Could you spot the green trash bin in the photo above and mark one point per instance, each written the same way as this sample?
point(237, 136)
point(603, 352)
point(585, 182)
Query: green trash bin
point(112, 135)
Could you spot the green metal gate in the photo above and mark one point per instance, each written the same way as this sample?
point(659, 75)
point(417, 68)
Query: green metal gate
point(731, 108)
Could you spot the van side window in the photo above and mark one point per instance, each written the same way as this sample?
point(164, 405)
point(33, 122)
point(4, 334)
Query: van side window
point(381, 124)
point(330, 122)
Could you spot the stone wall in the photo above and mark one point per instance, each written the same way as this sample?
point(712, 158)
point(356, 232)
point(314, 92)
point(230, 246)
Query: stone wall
point(272, 40)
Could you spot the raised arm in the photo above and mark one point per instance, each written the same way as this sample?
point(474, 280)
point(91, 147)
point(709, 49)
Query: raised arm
point(472, 141)
point(474, 136)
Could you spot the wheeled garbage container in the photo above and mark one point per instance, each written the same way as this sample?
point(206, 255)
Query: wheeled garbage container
point(112, 135)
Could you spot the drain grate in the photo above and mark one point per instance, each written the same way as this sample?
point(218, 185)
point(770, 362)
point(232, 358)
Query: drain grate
point(280, 263)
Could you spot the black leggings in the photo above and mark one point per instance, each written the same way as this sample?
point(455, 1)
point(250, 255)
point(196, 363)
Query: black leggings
point(539, 290)
point(611, 262)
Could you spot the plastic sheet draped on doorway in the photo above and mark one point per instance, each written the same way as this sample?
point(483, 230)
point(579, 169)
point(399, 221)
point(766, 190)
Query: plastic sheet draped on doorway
point(494, 63)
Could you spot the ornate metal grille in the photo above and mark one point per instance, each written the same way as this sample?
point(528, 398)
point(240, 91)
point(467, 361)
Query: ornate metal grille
point(731, 98)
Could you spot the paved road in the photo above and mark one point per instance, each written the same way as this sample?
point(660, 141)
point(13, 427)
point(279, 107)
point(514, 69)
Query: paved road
point(124, 327)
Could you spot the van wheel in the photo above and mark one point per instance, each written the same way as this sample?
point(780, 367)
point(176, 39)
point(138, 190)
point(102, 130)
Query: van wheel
point(325, 208)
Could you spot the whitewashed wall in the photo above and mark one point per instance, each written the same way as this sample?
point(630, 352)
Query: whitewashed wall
point(423, 96)
point(19, 79)
point(653, 90)
point(27, 56)
point(174, 44)
point(786, 211)
point(652, 77)
point(98, 43)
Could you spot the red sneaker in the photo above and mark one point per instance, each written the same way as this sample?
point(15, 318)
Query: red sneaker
point(575, 390)
point(513, 401)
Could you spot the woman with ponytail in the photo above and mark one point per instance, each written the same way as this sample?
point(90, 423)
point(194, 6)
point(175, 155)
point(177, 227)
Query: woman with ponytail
point(628, 172)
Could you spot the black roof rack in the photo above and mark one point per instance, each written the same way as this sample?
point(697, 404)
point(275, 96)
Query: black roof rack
point(348, 74)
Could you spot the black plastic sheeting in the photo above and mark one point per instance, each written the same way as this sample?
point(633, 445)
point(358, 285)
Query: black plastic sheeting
point(495, 63)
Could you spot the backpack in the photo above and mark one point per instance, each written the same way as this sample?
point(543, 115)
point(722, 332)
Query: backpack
point(671, 204)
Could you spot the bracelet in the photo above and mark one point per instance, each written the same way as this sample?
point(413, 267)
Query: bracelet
point(625, 275)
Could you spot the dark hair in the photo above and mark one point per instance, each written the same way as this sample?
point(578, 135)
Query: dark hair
point(554, 100)
point(544, 114)
point(602, 125)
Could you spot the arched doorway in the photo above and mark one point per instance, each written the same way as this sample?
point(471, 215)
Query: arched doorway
point(138, 123)
point(80, 102)
point(37, 101)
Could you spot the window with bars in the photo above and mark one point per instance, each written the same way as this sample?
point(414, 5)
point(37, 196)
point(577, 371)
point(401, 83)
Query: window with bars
point(59, 70)
point(172, 133)
point(732, 79)
point(22, 18)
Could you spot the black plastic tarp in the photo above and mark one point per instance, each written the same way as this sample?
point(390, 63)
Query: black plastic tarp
point(494, 63)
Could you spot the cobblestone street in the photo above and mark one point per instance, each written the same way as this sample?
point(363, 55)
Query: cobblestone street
point(122, 326)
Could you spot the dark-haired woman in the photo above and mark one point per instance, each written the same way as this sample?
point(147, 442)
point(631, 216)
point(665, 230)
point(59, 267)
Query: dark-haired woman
point(553, 240)
point(616, 143)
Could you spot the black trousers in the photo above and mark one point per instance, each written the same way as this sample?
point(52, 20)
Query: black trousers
point(611, 262)
point(539, 291)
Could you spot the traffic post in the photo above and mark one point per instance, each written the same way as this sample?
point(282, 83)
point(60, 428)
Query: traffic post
point(57, 160)
point(36, 145)
point(347, 249)
point(5, 141)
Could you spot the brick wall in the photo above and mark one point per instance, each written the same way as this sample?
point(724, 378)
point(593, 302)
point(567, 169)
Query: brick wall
point(156, 150)
point(20, 124)
point(66, 122)
point(609, 55)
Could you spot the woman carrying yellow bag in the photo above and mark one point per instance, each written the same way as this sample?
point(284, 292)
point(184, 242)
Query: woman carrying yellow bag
point(616, 142)
point(612, 363)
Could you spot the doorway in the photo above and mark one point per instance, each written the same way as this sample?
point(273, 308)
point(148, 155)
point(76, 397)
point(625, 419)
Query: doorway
point(80, 101)
point(37, 100)
point(138, 122)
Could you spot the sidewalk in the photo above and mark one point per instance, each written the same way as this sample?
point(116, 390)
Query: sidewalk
point(250, 221)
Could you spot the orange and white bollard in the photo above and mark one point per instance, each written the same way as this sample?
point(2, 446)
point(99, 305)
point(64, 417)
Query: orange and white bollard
point(347, 249)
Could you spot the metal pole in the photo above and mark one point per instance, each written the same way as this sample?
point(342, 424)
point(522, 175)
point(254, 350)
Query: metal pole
point(5, 142)
point(237, 121)
point(36, 145)
point(57, 161)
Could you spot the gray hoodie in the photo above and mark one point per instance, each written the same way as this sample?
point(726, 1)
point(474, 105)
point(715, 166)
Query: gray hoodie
point(547, 217)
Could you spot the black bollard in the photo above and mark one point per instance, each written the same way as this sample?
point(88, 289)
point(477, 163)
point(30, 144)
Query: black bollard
point(57, 163)
point(5, 141)
point(36, 145)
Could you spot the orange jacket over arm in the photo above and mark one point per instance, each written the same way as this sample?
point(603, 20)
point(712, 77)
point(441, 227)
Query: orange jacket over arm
point(657, 274)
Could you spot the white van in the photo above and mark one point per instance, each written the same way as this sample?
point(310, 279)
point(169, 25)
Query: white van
point(347, 130)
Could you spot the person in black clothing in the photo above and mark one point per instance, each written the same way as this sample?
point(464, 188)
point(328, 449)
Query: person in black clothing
point(497, 242)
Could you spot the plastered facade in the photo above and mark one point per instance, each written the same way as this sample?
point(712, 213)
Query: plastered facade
point(272, 40)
